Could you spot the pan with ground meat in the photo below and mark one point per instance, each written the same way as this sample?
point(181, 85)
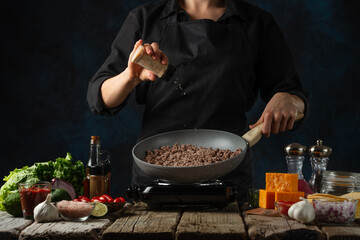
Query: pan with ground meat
point(213, 165)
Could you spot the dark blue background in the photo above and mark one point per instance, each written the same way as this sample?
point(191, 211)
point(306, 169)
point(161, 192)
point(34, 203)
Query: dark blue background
point(50, 50)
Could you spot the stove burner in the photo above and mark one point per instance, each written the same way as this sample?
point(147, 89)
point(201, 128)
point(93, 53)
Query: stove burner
point(161, 192)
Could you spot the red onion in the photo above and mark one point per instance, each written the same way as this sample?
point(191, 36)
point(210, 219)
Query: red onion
point(335, 212)
point(58, 183)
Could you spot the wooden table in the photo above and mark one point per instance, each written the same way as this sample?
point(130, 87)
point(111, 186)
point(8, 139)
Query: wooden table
point(139, 222)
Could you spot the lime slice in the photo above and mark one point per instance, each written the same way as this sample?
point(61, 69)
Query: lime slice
point(99, 210)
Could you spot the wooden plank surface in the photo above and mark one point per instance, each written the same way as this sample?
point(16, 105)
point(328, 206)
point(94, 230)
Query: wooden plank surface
point(347, 232)
point(10, 227)
point(275, 227)
point(212, 224)
point(141, 223)
point(63, 230)
point(302, 231)
point(265, 227)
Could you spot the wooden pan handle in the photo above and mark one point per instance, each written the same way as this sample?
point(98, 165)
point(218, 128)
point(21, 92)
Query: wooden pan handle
point(254, 135)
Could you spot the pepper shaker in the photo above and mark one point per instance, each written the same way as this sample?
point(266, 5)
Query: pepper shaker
point(295, 156)
point(319, 159)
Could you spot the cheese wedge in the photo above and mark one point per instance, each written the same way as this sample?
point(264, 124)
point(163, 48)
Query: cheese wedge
point(266, 199)
point(288, 196)
point(282, 182)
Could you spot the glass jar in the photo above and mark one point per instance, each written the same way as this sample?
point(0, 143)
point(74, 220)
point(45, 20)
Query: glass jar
point(339, 183)
point(31, 194)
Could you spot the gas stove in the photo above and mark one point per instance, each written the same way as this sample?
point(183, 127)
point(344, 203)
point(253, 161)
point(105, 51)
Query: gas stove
point(214, 193)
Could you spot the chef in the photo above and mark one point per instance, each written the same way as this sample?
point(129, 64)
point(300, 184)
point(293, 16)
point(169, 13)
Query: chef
point(225, 52)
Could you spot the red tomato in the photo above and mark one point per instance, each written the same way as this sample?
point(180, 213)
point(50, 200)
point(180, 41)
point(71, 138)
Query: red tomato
point(109, 199)
point(95, 199)
point(99, 199)
point(103, 199)
point(77, 200)
point(84, 199)
point(119, 199)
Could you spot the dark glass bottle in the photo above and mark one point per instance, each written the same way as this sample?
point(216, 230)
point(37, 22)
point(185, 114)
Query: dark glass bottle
point(98, 171)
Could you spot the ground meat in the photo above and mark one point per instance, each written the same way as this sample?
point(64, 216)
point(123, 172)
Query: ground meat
point(74, 210)
point(187, 155)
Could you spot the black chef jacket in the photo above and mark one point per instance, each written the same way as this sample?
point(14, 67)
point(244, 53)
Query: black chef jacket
point(220, 68)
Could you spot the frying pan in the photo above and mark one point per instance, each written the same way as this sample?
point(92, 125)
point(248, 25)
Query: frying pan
point(197, 137)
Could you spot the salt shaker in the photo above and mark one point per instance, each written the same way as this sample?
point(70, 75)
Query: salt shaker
point(295, 156)
point(319, 159)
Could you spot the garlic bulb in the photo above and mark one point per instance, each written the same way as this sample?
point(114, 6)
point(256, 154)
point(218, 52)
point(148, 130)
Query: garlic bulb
point(46, 211)
point(302, 211)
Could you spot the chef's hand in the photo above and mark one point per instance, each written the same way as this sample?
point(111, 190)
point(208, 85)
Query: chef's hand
point(139, 73)
point(279, 113)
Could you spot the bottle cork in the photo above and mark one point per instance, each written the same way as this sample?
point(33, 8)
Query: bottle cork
point(146, 61)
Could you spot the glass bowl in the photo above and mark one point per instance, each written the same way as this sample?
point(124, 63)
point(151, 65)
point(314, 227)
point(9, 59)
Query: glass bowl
point(75, 211)
point(283, 207)
point(339, 212)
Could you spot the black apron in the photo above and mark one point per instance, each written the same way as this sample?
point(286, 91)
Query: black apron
point(196, 55)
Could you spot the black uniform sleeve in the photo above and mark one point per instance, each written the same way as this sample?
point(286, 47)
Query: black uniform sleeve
point(115, 63)
point(275, 68)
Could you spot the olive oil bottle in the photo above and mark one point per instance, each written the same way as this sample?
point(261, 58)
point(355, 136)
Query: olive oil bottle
point(98, 171)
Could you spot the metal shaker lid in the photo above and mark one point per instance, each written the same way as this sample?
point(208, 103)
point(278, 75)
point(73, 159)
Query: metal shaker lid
point(320, 150)
point(295, 149)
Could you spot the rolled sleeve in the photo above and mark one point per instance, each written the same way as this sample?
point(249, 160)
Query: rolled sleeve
point(115, 63)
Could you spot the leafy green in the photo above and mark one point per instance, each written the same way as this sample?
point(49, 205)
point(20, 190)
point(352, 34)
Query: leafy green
point(62, 168)
point(25, 174)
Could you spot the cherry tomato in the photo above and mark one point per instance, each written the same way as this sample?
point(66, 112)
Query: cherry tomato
point(99, 199)
point(119, 199)
point(103, 199)
point(109, 198)
point(84, 198)
point(77, 200)
point(95, 199)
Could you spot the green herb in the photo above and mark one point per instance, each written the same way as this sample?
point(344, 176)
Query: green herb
point(64, 169)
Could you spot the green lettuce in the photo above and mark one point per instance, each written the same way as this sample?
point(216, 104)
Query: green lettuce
point(62, 168)
point(25, 174)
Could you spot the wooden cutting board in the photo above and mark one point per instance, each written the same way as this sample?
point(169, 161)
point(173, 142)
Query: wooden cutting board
point(263, 212)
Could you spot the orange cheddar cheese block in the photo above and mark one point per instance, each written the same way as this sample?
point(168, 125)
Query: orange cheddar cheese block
point(266, 199)
point(288, 196)
point(281, 182)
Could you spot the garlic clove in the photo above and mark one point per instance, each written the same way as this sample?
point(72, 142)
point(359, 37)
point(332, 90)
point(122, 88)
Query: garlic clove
point(46, 211)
